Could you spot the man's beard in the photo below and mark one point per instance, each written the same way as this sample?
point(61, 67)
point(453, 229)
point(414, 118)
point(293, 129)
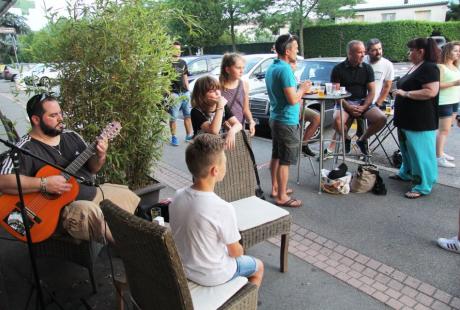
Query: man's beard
point(376, 58)
point(50, 131)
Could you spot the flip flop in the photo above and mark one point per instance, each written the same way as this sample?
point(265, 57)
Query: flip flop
point(291, 203)
point(289, 191)
point(397, 178)
point(413, 195)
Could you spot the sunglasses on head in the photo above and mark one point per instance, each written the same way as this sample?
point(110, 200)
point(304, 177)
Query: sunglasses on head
point(288, 40)
point(42, 97)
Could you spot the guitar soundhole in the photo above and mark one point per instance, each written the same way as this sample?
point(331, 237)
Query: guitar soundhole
point(14, 220)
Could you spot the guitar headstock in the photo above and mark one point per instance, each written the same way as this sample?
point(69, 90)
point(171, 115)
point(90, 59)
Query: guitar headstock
point(111, 130)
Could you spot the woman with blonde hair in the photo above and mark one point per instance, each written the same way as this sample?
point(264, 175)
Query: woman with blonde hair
point(235, 90)
point(210, 112)
point(449, 97)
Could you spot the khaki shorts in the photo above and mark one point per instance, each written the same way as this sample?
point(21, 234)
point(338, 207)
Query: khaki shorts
point(83, 219)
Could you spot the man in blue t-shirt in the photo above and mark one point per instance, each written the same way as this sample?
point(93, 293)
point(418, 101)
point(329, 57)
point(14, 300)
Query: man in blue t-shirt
point(284, 117)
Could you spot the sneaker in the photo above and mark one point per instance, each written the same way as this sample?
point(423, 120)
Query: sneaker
point(362, 146)
point(188, 138)
point(307, 151)
point(451, 244)
point(448, 157)
point(443, 162)
point(347, 145)
point(174, 141)
point(327, 154)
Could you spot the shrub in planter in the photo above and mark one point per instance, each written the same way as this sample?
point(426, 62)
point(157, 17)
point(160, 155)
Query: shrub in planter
point(115, 63)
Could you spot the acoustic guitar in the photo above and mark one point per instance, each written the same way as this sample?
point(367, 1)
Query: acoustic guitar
point(43, 209)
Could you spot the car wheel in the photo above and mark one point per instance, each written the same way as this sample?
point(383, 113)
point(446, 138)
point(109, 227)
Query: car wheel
point(44, 81)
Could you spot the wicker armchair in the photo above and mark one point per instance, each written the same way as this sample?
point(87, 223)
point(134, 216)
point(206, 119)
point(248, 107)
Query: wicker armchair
point(238, 187)
point(153, 268)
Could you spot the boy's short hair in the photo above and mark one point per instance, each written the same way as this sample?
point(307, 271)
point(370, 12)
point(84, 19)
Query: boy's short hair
point(203, 152)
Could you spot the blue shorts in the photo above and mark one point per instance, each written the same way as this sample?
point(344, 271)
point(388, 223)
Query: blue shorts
point(182, 105)
point(355, 102)
point(246, 266)
point(446, 110)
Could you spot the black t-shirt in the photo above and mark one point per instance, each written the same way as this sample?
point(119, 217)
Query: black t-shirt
point(354, 78)
point(70, 146)
point(417, 115)
point(199, 117)
point(181, 68)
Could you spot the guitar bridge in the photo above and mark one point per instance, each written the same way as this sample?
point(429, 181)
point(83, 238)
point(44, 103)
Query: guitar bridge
point(14, 220)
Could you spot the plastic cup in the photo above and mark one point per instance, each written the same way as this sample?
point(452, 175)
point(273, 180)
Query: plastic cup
point(388, 109)
point(329, 88)
point(321, 91)
point(343, 90)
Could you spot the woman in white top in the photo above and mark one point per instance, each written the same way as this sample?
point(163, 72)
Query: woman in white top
point(449, 98)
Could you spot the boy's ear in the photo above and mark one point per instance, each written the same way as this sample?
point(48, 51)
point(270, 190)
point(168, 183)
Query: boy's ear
point(214, 170)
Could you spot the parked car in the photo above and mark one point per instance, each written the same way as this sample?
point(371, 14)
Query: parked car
point(200, 65)
point(254, 69)
point(10, 72)
point(313, 69)
point(41, 75)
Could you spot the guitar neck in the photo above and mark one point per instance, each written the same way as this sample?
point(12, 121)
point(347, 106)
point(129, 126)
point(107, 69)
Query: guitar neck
point(78, 162)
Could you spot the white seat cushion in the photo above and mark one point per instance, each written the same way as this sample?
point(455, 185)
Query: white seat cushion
point(212, 297)
point(253, 211)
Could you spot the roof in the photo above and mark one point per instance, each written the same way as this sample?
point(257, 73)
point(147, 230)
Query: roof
point(5, 5)
point(395, 4)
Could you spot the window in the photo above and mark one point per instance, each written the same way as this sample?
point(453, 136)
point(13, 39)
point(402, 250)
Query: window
point(197, 67)
point(388, 16)
point(262, 68)
point(423, 15)
point(214, 63)
point(359, 18)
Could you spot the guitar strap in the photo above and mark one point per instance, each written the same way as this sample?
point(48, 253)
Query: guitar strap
point(259, 192)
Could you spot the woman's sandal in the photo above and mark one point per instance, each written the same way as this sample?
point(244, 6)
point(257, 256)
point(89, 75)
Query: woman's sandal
point(291, 203)
point(289, 191)
point(397, 178)
point(413, 195)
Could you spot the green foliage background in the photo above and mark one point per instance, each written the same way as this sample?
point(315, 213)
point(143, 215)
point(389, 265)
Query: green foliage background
point(331, 40)
point(116, 65)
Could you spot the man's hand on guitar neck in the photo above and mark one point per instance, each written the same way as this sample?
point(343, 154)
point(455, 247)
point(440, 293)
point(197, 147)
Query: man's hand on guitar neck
point(97, 161)
point(57, 184)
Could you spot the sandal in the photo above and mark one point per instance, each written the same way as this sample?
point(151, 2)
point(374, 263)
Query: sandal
point(397, 178)
point(289, 191)
point(291, 203)
point(413, 195)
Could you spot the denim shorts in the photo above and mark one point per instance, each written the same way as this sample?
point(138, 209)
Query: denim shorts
point(446, 110)
point(246, 266)
point(182, 105)
point(285, 139)
point(355, 102)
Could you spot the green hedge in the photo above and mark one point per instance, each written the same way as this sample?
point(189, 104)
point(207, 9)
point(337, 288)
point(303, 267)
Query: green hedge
point(331, 40)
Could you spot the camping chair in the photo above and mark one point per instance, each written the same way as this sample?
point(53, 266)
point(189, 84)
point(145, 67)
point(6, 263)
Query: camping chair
point(154, 270)
point(258, 220)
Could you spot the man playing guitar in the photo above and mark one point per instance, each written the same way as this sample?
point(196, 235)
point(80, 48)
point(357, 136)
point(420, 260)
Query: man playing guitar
point(82, 218)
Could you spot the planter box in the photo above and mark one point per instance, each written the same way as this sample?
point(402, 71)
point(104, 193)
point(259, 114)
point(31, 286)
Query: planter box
point(150, 194)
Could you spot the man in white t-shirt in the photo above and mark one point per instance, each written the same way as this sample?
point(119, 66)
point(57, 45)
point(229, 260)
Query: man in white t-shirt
point(204, 226)
point(383, 70)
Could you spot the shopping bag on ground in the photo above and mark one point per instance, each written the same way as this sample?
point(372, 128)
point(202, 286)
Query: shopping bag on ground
point(364, 179)
point(335, 186)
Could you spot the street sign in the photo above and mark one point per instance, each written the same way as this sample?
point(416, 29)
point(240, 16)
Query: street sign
point(7, 30)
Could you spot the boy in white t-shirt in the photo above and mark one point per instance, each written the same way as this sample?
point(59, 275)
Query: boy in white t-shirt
point(204, 225)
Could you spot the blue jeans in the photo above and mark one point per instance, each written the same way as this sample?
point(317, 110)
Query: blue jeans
point(182, 105)
point(246, 266)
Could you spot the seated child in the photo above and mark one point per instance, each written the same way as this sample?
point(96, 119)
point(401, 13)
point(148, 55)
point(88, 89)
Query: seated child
point(204, 225)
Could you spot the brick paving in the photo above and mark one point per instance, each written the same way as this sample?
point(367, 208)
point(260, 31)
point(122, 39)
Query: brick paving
point(384, 283)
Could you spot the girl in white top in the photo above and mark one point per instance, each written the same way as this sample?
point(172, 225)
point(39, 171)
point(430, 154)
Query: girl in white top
point(449, 98)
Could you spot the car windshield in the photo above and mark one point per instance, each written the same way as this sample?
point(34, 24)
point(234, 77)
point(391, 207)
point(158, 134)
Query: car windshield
point(317, 71)
point(251, 61)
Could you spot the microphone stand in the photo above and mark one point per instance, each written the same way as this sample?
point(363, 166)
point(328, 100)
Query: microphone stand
point(16, 164)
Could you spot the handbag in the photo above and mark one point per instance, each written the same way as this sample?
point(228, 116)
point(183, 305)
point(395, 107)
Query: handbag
point(364, 179)
point(259, 192)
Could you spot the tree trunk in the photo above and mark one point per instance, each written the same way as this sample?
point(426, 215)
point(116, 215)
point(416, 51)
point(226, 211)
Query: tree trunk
point(232, 33)
point(301, 38)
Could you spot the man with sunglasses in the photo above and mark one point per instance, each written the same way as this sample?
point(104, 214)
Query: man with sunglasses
point(48, 139)
point(284, 117)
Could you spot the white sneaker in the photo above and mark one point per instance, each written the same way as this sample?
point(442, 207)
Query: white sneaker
point(451, 244)
point(448, 157)
point(443, 162)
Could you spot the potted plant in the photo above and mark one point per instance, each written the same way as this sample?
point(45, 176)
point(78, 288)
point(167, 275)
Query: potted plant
point(114, 60)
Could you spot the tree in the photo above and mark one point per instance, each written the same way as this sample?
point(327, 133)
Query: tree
point(238, 12)
point(15, 21)
point(298, 12)
point(196, 26)
point(454, 12)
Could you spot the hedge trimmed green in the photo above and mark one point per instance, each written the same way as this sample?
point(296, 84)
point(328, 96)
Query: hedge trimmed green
point(331, 40)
